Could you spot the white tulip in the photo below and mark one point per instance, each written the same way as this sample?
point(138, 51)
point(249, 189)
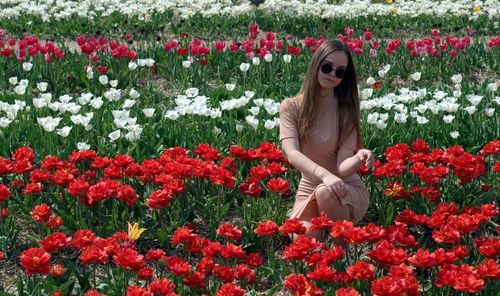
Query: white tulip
point(42, 86)
point(271, 107)
point(148, 112)
point(24, 82)
point(400, 117)
point(416, 76)
point(20, 90)
point(186, 64)
point(96, 103)
point(434, 108)
point(448, 118)
point(192, 92)
point(370, 81)
point(230, 86)
point(381, 73)
point(149, 62)
point(120, 113)
point(132, 66)
point(455, 134)
point(255, 61)
point(39, 103)
point(13, 80)
point(258, 102)
point(457, 78)
point(27, 66)
point(217, 131)
point(81, 146)
point(65, 99)
point(244, 67)
point(128, 103)
point(268, 57)
point(422, 92)
point(85, 98)
point(254, 110)
point(132, 120)
point(269, 124)
point(457, 93)
point(471, 109)
point(64, 131)
point(48, 123)
point(172, 115)
point(249, 94)
point(88, 127)
point(113, 136)
point(381, 124)
point(474, 99)
point(90, 73)
point(113, 83)
point(489, 112)
point(120, 122)
point(366, 93)
point(252, 121)
point(287, 58)
point(372, 118)
point(113, 94)
point(239, 127)
point(46, 97)
point(492, 86)
point(422, 120)
point(216, 113)
point(421, 108)
point(134, 132)
point(54, 106)
point(103, 79)
point(4, 122)
point(72, 108)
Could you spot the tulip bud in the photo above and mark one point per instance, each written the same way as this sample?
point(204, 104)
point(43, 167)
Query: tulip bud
point(5, 213)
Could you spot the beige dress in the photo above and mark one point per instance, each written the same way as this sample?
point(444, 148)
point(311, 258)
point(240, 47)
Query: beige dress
point(321, 148)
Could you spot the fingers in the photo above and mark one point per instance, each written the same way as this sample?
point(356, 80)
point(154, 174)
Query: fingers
point(369, 159)
point(340, 189)
point(370, 162)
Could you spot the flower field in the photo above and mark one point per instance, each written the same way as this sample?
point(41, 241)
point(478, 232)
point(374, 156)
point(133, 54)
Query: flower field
point(140, 156)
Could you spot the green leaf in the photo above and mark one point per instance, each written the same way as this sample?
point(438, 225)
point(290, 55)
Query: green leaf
point(20, 286)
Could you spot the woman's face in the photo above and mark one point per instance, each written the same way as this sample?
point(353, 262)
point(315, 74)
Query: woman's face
point(338, 60)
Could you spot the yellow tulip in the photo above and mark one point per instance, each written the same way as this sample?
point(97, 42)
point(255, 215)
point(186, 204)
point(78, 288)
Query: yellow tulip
point(134, 231)
point(394, 9)
point(476, 8)
point(388, 1)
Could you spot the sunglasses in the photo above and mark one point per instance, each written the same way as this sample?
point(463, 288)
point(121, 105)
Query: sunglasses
point(327, 68)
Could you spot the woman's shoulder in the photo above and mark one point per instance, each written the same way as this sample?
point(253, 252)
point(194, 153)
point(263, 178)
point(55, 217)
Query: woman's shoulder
point(290, 103)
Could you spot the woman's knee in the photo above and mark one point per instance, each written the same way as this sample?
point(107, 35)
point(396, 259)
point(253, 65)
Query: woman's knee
point(324, 196)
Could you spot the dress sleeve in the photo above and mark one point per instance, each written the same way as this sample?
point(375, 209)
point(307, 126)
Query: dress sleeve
point(288, 119)
point(350, 142)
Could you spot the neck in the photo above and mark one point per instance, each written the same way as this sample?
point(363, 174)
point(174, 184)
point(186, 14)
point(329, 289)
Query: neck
point(325, 95)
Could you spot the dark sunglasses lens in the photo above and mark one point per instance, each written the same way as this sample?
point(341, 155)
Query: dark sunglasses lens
point(340, 73)
point(326, 68)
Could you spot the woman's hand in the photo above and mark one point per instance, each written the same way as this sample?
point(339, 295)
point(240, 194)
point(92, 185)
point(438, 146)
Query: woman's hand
point(366, 157)
point(335, 185)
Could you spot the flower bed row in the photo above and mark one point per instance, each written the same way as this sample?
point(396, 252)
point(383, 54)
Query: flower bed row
point(445, 239)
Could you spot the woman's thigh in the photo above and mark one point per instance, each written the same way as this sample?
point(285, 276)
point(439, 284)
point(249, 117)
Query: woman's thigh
point(331, 204)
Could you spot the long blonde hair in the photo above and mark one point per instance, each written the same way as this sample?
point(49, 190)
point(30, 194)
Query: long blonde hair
point(346, 92)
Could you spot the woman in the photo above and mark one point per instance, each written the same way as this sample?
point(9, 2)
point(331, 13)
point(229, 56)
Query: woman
point(320, 134)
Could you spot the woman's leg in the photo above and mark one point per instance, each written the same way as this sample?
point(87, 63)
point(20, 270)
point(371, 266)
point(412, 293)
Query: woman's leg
point(330, 204)
point(310, 212)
